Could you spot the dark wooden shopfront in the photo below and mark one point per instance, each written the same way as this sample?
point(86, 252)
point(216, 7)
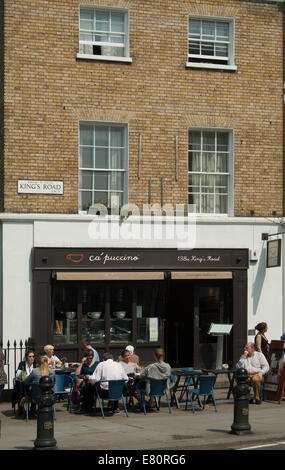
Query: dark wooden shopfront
point(146, 297)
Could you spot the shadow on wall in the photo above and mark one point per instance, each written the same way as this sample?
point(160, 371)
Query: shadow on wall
point(259, 280)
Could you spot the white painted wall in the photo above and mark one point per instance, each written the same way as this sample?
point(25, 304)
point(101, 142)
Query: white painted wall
point(17, 238)
point(21, 233)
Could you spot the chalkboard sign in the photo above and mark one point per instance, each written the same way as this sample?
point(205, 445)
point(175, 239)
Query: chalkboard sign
point(275, 379)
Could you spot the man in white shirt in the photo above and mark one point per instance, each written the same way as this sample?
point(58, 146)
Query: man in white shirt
point(108, 369)
point(256, 365)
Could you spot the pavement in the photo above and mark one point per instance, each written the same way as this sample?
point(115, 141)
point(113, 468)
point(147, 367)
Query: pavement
point(158, 430)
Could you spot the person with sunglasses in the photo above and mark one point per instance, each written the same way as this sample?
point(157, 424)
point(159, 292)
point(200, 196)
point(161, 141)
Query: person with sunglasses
point(85, 389)
point(24, 369)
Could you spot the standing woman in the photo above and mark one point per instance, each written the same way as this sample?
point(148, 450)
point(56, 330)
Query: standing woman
point(260, 340)
point(3, 376)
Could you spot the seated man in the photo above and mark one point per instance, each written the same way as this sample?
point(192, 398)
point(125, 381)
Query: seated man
point(108, 369)
point(256, 365)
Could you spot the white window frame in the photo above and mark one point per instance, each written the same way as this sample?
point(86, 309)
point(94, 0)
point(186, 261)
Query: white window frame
point(211, 64)
point(229, 173)
point(109, 170)
point(126, 57)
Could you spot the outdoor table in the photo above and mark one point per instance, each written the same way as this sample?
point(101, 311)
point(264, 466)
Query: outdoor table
point(183, 373)
point(230, 374)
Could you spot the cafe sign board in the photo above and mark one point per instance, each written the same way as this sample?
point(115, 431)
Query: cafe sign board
point(138, 259)
point(40, 187)
point(273, 253)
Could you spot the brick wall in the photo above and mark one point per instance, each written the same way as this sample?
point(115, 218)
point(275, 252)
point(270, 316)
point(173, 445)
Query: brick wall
point(48, 91)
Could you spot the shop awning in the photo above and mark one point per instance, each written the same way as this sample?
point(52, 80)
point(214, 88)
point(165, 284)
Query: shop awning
point(110, 276)
point(201, 275)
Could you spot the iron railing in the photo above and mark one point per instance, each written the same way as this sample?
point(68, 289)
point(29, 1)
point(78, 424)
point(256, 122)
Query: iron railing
point(14, 353)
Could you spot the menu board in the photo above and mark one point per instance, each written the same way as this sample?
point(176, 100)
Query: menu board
point(275, 379)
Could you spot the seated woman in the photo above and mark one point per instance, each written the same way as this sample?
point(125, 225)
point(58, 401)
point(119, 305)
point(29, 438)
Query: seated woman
point(24, 369)
point(157, 370)
point(83, 372)
point(41, 370)
point(130, 368)
point(52, 359)
point(133, 357)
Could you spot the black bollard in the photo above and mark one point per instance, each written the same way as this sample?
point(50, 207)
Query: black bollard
point(241, 398)
point(45, 429)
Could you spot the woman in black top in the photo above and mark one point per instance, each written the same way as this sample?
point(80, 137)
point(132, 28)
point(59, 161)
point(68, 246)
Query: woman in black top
point(260, 340)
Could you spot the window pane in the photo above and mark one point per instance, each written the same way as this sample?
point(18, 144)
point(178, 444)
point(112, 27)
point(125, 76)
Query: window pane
point(86, 180)
point(102, 15)
point(221, 50)
point(194, 183)
point(86, 134)
point(208, 141)
point(101, 180)
point(195, 140)
point(207, 48)
point(117, 159)
point(86, 25)
point(121, 314)
point(117, 180)
point(101, 158)
point(117, 137)
point(102, 136)
point(207, 203)
point(101, 198)
point(65, 314)
point(207, 184)
point(101, 38)
point(222, 162)
point(208, 30)
point(221, 204)
point(86, 157)
point(222, 141)
point(117, 39)
point(194, 28)
point(86, 37)
point(86, 19)
point(194, 161)
point(194, 47)
point(222, 31)
point(113, 51)
point(208, 161)
point(117, 22)
point(85, 200)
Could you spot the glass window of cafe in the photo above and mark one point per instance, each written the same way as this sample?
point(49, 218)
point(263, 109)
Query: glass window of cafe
point(118, 312)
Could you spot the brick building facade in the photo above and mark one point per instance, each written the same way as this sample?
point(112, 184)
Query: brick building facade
point(48, 90)
point(146, 102)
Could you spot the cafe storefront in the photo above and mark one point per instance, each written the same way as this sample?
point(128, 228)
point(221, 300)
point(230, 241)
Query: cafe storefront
point(146, 297)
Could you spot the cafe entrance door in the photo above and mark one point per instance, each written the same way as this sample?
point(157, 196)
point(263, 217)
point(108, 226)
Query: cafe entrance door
point(192, 306)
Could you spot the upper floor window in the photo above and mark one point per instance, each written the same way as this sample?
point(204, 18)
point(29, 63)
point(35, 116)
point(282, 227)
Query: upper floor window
point(104, 33)
point(211, 43)
point(102, 165)
point(210, 171)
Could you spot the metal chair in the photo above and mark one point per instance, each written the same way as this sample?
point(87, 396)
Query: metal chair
point(63, 386)
point(115, 393)
point(32, 394)
point(157, 390)
point(206, 389)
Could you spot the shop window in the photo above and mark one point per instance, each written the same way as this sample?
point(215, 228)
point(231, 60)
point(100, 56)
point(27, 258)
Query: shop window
point(65, 315)
point(148, 310)
point(121, 314)
point(93, 314)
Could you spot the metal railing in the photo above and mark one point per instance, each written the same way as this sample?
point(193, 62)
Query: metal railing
point(14, 353)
